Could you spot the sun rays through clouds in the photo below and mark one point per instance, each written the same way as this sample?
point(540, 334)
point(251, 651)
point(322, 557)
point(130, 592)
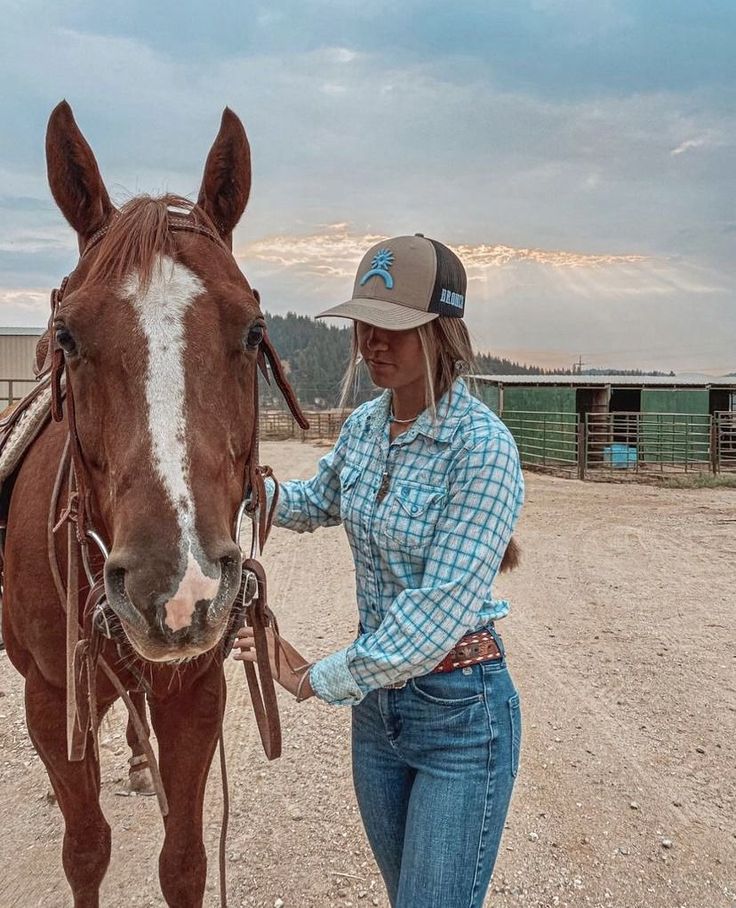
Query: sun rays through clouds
point(335, 251)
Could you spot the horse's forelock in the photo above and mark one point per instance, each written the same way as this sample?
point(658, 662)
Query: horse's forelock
point(139, 235)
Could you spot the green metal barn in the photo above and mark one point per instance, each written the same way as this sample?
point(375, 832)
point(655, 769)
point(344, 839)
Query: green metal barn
point(619, 423)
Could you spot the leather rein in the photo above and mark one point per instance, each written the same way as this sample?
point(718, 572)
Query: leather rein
point(83, 637)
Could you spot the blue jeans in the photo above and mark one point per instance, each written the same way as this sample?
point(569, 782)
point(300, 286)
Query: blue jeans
point(434, 765)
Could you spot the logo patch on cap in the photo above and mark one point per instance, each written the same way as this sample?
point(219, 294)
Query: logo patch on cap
point(452, 299)
point(380, 264)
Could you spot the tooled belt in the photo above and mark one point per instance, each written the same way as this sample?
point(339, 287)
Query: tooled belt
point(471, 650)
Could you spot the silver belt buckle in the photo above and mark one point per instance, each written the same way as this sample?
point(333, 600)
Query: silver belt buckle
point(397, 685)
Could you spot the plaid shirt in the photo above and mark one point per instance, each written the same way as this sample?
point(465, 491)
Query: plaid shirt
point(428, 516)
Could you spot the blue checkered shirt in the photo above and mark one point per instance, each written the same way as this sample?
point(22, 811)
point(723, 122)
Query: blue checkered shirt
point(428, 516)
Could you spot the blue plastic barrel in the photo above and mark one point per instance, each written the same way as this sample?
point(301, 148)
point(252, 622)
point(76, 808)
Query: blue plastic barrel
point(619, 456)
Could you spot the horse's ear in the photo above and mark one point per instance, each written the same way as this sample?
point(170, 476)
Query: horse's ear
point(226, 181)
point(74, 176)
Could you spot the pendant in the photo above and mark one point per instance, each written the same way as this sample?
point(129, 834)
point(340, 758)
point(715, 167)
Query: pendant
point(383, 488)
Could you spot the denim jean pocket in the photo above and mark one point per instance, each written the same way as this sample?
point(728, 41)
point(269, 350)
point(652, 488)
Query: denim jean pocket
point(450, 689)
point(515, 718)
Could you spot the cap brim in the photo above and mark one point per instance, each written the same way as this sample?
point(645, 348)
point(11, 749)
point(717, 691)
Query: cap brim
point(380, 313)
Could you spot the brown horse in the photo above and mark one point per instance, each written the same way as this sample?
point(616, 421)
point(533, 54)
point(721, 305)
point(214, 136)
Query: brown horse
point(158, 333)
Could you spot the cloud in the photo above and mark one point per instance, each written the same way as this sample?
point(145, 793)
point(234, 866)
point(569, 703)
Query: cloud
point(562, 159)
point(484, 256)
point(31, 302)
point(540, 305)
point(340, 54)
point(688, 144)
point(336, 252)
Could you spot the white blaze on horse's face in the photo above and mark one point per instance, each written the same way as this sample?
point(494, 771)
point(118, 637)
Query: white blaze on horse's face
point(162, 309)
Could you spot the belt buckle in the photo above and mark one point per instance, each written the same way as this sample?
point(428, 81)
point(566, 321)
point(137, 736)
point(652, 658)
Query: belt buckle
point(397, 685)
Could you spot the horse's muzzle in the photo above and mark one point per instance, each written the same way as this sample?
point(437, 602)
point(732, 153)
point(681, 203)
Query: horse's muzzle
point(164, 627)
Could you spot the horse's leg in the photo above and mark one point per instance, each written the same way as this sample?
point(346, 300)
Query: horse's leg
point(86, 848)
point(140, 779)
point(187, 727)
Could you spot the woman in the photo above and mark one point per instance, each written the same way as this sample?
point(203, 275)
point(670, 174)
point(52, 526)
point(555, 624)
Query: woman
point(427, 482)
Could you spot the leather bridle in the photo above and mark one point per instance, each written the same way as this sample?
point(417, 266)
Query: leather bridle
point(83, 652)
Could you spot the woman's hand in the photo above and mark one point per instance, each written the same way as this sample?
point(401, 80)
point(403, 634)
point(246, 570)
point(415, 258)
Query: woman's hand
point(290, 667)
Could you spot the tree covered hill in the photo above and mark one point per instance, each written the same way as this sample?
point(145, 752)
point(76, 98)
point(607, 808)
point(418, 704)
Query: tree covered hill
point(315, 356)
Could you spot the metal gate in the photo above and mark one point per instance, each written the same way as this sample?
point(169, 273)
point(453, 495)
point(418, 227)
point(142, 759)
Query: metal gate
point(724, 437)
point(545, 439)
point(627, 443)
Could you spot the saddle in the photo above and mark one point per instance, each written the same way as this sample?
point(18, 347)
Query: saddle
point(20, 426)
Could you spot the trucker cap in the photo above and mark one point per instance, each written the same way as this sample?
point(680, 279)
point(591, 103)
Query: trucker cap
point(405, 282)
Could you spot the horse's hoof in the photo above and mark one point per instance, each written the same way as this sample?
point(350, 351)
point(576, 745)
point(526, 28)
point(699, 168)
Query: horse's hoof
point(140, 781)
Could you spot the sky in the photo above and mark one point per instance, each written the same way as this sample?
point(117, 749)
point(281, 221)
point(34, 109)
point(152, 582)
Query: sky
point(578, 154)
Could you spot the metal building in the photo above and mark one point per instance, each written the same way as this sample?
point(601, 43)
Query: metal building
point(17, 355)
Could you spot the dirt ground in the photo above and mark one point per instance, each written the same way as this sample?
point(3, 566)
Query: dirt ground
point(621, 641)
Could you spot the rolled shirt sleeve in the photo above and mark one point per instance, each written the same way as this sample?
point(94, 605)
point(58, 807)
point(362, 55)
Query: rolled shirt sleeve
point(423, 624)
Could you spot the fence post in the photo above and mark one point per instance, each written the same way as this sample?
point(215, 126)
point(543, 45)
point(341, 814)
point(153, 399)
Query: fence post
point(582, 447)
point(714, 453)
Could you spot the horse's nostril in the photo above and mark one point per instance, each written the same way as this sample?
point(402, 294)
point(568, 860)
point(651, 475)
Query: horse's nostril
point(229, 563)
point(118, 599)
point(115, 579)
point(227, 551)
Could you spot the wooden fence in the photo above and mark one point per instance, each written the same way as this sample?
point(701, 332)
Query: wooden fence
point(279, 424)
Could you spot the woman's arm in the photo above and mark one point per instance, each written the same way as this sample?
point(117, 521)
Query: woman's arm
point(305, 504)
point(288, 666)
point(423, 624)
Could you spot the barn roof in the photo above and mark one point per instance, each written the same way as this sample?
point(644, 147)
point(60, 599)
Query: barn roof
point(619, 381)
point(15, 332)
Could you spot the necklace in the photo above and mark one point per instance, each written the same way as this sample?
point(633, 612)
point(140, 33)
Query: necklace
point(393, 418)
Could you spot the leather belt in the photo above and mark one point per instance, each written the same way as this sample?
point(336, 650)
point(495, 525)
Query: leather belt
point(472, 649)
point(481, 646)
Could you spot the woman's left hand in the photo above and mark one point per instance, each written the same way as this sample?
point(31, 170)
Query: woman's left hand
point(288, 669)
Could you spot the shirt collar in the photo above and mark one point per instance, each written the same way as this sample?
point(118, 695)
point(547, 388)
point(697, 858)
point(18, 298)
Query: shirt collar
point(451, 407)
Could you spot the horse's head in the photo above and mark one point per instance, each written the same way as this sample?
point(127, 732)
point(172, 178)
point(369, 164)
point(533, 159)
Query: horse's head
point(160, 333)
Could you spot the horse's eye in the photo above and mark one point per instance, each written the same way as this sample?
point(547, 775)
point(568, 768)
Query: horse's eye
point(255, 336)
point(65, 340)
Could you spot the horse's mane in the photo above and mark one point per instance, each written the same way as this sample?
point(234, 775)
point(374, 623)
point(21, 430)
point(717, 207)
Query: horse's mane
point(139, 234)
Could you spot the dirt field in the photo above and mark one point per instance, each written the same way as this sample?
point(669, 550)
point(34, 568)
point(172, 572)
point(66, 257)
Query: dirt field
point(621, 639)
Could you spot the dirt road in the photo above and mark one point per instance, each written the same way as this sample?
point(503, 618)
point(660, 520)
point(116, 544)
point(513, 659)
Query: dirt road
point(621, 640)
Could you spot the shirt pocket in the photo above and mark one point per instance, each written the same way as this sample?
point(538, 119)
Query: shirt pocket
point(348, 481)
point(413, 513)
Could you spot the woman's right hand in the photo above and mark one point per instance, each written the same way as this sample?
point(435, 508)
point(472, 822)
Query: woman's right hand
point(288, 669)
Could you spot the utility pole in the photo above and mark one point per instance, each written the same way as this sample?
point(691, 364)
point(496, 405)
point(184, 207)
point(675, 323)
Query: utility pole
point(577, 368)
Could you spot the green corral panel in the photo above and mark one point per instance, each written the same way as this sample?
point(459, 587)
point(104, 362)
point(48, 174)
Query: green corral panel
point(675, 427)
point(551, 400)
point(675, 400)
point(543, 421)
point(488, 393)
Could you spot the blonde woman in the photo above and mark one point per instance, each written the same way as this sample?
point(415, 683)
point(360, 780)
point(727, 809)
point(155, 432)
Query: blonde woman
point(427, 483)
